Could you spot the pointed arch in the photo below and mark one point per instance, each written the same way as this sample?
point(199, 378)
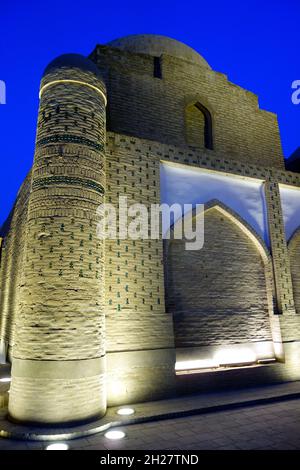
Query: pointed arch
point(236, 219)
point(294, 236)
point(242, 224)
point(223, 293)
point(198, 125)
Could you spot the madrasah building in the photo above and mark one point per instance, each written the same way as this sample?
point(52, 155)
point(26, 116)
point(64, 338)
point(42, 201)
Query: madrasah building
point(88, 323)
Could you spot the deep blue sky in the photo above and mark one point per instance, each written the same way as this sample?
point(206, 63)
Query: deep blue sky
point(256, 43)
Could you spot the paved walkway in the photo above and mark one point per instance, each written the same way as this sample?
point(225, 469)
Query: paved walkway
point(272, 426)
point(254, 418)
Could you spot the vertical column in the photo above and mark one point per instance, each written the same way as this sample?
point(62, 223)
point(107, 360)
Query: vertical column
point(280, 256)
point(58, 370)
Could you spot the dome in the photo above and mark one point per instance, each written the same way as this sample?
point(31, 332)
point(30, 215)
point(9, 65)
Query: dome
point(156, 45)
point(73, 61)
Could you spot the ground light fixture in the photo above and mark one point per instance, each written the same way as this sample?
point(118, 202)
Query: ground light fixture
point(115, 435)
point(5, 379)
point(58, 446)
point(126, 411)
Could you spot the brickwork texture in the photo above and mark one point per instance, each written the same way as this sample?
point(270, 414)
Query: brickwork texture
point(89, 323)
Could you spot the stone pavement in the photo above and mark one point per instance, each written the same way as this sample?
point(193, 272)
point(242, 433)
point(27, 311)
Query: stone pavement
point(268, 426)
point(261, 417)
point(273, 426)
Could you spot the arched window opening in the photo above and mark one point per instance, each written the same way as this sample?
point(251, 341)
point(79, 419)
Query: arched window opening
point(198, 126)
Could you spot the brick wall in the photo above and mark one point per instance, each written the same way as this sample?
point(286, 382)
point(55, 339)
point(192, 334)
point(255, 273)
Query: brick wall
point(195, 126)
point(134, 273)
point(253, 281)
point(58, 279)
point(218, 294)
point(144, 106)
point(12, 261)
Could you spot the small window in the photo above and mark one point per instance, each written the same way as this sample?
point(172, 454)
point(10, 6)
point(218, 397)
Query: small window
point(157, 72)
point(198, 126)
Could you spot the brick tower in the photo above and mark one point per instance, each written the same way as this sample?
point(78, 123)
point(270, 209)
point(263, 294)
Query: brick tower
point(59, 353)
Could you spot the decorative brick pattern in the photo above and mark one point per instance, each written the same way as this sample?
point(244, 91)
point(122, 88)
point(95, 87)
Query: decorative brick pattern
point(61, 311)
point(69, 138)
point(67, 180)
point(68, 297)
point(281, 261)
point(242, 132)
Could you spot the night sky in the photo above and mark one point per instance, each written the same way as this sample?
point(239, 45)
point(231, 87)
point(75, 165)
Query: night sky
point(255, 43)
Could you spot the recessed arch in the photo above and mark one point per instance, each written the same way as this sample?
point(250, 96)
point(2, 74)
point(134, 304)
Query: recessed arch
point(198, 125)
point(235, 218)
point(294, 236)
point(223, 293)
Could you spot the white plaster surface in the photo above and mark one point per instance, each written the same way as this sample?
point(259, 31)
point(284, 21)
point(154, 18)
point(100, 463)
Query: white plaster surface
point(184, 185)
point(290, 202)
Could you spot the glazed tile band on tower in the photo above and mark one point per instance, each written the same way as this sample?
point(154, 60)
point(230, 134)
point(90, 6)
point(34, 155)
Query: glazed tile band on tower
point(67, 180)
point(54, 139)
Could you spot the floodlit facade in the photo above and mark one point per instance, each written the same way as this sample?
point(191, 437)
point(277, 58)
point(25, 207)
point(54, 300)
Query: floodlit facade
point(88, 323)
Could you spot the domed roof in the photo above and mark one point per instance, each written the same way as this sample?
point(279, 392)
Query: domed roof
point(155, 45)
point(73, 61)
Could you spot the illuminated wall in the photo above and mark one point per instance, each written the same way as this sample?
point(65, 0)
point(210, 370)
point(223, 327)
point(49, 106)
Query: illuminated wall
point(79, 325)
point(290, 201)
point(183, 185)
